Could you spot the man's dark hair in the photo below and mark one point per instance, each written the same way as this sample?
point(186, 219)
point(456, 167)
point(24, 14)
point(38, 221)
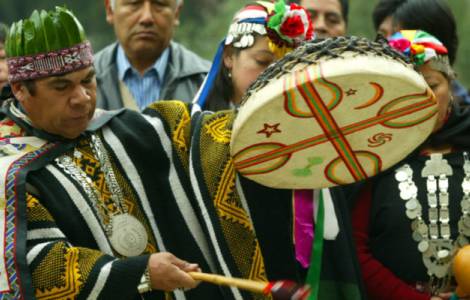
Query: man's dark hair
point(3, 32)
point(432, 16)
point(384, 9)
point(30, 85)
point(344, 7)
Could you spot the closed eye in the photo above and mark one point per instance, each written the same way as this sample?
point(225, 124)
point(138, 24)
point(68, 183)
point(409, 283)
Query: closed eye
point(60, 85)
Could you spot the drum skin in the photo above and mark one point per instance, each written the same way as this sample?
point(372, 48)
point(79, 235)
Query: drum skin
point(335, 122)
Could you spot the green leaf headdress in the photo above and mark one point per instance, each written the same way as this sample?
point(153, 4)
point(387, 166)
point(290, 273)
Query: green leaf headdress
point(46, 44)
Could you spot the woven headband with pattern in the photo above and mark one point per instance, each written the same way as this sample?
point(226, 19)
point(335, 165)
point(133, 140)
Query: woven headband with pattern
point(52, 63)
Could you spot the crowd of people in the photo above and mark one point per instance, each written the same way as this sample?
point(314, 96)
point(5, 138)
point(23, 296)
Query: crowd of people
point(121, 177)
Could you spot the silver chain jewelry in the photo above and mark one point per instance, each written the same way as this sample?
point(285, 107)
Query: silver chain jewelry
point(110, 178)
point(66, 163)
point(434, 240)
point(127, 235)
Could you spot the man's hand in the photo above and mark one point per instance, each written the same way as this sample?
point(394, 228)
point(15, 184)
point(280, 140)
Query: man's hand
point(167, 272)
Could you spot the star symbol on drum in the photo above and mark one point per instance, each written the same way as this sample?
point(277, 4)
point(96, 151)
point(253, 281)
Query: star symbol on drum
point(269, 130)
point(351, 92)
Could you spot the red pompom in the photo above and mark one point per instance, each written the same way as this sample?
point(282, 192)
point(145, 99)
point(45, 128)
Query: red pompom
point(293, 27)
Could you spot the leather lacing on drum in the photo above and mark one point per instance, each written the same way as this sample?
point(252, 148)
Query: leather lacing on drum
point(309, 53)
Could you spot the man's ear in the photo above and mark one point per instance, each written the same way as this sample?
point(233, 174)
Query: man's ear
point(109, 11)
point(20, 91)
point(177, 14)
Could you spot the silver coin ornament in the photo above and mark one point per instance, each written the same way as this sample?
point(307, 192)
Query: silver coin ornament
point(434, 239)
point(401, 175)
point(129, 237)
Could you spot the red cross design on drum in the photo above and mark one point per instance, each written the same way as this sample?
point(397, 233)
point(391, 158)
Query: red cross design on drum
point(333, 132)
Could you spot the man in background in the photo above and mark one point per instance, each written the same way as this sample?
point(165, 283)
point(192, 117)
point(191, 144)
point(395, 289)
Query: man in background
point(145, 65)
point(382, 16)
point(435, 17)
point(330, 17)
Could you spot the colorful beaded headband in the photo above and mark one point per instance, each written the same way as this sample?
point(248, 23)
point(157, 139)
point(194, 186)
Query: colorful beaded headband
point(421, 48)
point(287, 26)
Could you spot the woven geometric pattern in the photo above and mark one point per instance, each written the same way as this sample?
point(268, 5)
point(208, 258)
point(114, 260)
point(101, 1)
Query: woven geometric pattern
point(220, 178)
point(11, 207)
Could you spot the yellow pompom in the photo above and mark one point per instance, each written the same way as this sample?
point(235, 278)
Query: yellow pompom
point(279, 52)
point(417, 49)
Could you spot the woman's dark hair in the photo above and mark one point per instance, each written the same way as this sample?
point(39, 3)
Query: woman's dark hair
point(432, 16)
point(222, 89)
point(384, 9)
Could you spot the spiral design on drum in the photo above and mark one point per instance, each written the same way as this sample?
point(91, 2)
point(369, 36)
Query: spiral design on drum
point(380, 139)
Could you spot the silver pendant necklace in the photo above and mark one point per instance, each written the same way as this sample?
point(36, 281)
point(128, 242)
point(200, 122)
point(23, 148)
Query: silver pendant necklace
point(127, 235)
point(434, 239)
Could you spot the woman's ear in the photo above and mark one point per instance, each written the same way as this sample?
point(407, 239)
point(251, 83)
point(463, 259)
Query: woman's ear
point(228, 57)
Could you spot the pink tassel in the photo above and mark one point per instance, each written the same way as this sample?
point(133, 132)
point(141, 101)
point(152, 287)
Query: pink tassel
point(303, 225)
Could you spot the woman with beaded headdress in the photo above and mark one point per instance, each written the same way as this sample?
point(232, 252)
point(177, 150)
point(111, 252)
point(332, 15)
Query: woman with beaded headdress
point(260, 33)
point(251, 226)
point(410, 221)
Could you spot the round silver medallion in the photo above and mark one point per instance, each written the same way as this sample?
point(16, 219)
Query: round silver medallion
point(411, 214)
point(415, 224)
point(412, 204)
point(403, 185)
point(417, 237)
point(406, 194)
point(423, 228)
point(401, 175)
point(423, 246)
point(129, 237)
point(444, 253)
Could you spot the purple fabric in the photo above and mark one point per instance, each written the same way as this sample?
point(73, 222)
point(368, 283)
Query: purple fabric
point(303, 225)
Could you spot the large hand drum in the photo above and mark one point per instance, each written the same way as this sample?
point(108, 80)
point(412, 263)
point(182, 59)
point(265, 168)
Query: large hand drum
point(331, 113)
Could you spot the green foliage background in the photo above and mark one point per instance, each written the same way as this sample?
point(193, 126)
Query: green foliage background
point(204, 23)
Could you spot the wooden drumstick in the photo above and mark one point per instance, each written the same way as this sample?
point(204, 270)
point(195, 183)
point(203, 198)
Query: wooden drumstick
point(280, 290)
point(244, 284)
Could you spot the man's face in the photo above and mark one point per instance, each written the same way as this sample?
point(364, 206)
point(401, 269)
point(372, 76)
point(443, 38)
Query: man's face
point(61, 105)
point(3, 67)
point(327, 17)
point(144, 28)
